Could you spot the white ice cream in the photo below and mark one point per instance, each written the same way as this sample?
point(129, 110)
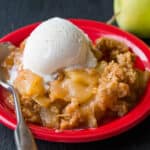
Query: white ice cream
point(56, 44)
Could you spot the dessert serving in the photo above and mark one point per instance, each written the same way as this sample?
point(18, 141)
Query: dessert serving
point(66, 82)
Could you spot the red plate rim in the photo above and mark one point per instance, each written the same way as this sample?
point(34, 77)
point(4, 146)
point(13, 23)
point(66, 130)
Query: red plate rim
point(113, 128)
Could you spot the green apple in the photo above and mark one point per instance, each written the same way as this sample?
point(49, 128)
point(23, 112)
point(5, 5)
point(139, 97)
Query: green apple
point(133, 16)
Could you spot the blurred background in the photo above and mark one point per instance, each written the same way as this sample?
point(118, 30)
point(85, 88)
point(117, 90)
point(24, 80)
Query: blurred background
point(18, 13)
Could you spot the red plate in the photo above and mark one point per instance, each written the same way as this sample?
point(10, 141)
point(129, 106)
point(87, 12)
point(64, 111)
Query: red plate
point(94, 30)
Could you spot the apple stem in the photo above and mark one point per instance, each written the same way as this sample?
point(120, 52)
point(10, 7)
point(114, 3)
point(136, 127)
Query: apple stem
point(113, 18)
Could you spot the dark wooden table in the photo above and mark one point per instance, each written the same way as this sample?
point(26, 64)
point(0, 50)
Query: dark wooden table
point(17, 13)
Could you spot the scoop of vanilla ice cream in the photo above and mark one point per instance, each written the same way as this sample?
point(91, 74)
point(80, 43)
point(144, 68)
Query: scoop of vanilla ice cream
point(56, 44)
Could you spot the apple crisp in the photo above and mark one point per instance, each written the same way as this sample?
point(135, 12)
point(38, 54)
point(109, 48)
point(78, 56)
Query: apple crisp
point(80, 98)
